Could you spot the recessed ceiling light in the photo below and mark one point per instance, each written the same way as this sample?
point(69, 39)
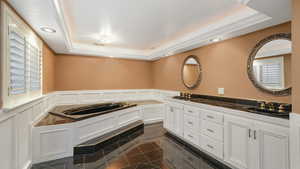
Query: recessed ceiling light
point(169, 54)
point(48, 30)
point(215, 40)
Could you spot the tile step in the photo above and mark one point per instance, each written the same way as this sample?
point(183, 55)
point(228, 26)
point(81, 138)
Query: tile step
point(96, 144)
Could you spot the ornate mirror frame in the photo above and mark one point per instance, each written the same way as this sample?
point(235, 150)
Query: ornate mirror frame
point(283, 92)
point(199, 76)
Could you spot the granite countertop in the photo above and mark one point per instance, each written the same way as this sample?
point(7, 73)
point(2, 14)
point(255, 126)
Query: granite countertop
point(51, 119)
point(238, 104)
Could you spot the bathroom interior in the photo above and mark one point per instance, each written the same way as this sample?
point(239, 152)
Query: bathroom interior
point(127, 84)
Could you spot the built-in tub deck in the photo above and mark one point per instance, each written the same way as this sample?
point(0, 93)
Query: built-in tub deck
point(54, 118)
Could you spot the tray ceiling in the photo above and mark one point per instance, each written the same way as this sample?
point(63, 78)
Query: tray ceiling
point(140, 29)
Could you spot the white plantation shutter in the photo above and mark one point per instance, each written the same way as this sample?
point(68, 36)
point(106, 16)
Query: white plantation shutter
point(17, 63)
point(35, 67)
point(21, 61)
point(271, 75)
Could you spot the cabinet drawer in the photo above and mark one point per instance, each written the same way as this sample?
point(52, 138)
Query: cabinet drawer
point(212, 146)
point(191, 136)
point(212, 116)
point(192, 111)
point(191, 122)
point(212, 130)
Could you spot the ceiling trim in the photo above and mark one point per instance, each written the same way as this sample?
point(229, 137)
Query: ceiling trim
point(61, 19)
point(245, 2)
point(204, 37)
point(230, 26)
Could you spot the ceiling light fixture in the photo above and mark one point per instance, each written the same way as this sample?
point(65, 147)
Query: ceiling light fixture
point(215, 40)
point(169, 53)
point(48, 30)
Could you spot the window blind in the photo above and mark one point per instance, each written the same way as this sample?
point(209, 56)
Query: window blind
point(271, 75)
point(17, 63)
point(35, 67)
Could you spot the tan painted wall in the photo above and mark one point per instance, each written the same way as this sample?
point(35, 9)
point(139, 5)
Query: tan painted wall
point(296, 56)
point(95, 73)
point(48, 69)
point(223, 65)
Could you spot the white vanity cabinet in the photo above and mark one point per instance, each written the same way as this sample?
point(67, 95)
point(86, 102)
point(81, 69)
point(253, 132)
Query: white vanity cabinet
point(250, 144)
point(174, 118)
point(239, 139)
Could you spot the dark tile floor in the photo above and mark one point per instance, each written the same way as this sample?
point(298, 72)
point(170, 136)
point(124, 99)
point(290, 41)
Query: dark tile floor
point(148, 148)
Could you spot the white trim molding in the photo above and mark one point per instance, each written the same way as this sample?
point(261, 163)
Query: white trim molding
point(62, 23)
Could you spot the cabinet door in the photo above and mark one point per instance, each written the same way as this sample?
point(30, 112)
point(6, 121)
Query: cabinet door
point(178, 121)
point(237, 142)
point(273, 146)
point(169, 118)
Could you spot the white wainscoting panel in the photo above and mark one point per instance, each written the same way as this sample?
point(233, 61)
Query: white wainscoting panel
point(23, 127)
point(128, 116)
point(153, 113)
point(20, 145)
point(7, 144)
point(94, 127)
point(295, 140)
point(52, 142)
point(37, 111)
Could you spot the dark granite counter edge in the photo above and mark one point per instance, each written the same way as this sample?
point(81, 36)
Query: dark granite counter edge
point(245, 114)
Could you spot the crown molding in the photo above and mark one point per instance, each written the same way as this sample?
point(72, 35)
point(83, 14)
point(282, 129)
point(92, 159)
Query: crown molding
point(61, 20)
point(245, 2)
point(228, 27)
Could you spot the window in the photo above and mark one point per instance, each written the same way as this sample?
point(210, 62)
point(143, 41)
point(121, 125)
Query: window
point(269, 72)
point(17, 64)
point(271, 75)
point(21, 63)
point(35, 67)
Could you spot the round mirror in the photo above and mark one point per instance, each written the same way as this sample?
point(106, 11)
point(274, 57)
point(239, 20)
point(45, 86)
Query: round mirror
point(269, 65)
point(191, 72)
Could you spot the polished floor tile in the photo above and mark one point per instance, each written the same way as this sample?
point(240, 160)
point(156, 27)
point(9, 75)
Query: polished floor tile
point(148, 148)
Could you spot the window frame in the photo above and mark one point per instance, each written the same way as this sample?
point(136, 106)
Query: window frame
point(10, 21)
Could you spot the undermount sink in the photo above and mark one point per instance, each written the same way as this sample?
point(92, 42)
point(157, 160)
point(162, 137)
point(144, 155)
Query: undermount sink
point(267, 111)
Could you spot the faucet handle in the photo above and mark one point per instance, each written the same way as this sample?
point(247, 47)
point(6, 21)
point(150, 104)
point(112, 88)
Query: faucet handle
point(262, 104)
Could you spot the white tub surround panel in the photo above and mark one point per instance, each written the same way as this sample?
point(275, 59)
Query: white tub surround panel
point(61, 138)
point(239, 139)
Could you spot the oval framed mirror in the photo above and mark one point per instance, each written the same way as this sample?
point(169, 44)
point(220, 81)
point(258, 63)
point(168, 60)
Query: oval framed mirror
point(269, 65)
point(191, 72)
